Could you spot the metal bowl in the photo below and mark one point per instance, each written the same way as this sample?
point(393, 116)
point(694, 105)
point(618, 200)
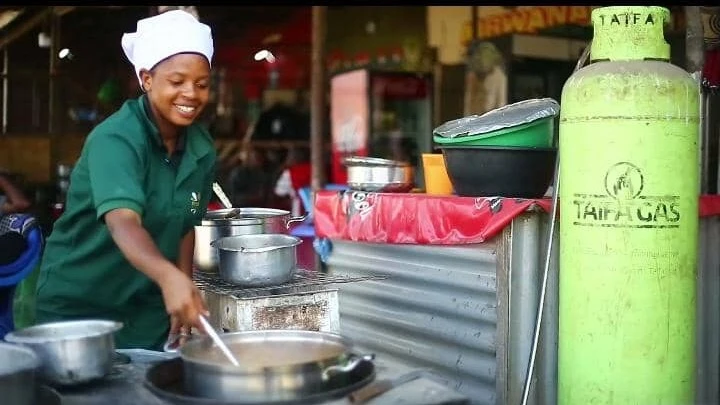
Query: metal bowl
point(17, 374)
point(378, 175)
point(72, 352)
point(257, 260)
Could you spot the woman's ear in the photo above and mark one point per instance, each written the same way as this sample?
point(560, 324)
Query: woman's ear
point(145, 80)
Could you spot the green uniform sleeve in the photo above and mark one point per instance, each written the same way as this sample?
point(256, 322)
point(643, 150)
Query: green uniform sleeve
point(116, 174)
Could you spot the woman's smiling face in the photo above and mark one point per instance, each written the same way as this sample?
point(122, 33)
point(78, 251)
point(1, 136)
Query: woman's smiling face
point(178, 88)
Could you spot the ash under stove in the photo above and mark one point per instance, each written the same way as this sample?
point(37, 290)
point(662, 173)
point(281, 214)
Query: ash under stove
point(309, 301)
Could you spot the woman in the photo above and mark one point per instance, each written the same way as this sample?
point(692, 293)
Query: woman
point(296, 175)
point(122, 250)
point(12, 199)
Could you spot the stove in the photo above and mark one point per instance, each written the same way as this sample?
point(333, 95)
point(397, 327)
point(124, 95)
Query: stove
point(131, 383)
point(46, 395)
point(165, 380)
point(308, 302)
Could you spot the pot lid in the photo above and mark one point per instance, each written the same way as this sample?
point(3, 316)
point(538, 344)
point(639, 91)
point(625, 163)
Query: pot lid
point(256, 243)
point(511, 115)
point(242, 216)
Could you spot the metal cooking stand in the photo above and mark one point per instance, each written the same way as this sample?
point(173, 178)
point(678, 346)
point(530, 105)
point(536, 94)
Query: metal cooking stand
point(309, 301)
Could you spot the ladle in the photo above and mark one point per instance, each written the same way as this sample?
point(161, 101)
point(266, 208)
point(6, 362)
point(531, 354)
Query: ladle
point(221, 195)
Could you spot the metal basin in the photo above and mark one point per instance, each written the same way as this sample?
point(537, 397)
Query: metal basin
point(257, 260)
point(378, 175)
point(18, 367)
point(232, 222)
point(71, 352)
point(274, 365)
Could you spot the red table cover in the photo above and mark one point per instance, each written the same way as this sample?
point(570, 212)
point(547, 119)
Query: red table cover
point(427, 220)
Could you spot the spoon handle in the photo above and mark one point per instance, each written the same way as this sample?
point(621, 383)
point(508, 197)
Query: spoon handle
point(221, 195)
point(216, 338)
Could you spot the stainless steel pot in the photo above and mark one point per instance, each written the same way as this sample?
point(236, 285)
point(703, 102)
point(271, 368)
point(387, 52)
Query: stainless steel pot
point(257, 260)
point(18, 367)
point(274, 365)
point(378, 175)
point(232, 222)
point(71, 352)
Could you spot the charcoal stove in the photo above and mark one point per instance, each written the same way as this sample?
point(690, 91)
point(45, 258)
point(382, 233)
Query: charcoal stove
point(309, 302)
point(136, 370)
point(165, 380)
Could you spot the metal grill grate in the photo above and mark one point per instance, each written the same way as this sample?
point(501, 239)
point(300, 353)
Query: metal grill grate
point(304, 281)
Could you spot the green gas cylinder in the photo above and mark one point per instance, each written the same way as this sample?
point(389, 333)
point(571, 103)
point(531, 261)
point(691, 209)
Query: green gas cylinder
point(629, 186)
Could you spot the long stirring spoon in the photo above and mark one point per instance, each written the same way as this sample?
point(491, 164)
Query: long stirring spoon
point(221, 195)
point(216, 339)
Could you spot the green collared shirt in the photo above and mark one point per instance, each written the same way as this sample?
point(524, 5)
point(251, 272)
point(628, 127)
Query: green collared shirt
point(124, 164)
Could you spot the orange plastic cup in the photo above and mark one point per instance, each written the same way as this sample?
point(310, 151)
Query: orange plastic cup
point(437, 181)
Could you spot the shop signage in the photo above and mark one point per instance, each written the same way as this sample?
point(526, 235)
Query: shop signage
point(400, 87)
point(528, 20)
point(385, 57)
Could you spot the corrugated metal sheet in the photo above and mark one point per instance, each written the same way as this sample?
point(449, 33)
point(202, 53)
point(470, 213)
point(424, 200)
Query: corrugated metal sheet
point(708, 312)
point(521, 252)
point(437, 309)
point(469, 312)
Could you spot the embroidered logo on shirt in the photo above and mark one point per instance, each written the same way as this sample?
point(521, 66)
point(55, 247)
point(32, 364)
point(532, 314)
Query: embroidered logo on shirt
point(194, 202)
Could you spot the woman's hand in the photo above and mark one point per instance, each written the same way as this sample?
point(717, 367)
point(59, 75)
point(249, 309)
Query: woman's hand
point(181, 297)
point(183, 301)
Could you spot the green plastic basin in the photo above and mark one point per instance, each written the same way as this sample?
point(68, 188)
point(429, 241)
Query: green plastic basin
point(536, 134)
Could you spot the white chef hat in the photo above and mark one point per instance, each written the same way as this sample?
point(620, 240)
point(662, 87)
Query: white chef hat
point(165, 35)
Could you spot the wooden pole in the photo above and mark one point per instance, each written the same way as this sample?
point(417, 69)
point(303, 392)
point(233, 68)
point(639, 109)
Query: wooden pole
point(317, 97)
point(52, 73)
point(694, 44)
point(474, 22)
point(694, 58)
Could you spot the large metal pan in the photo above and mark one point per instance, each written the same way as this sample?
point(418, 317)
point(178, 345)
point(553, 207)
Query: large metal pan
point(232, 222)
point(275, 365)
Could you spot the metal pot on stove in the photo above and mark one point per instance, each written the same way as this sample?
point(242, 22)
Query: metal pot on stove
point(275, 365)
point(259, 260)
point(232, 222)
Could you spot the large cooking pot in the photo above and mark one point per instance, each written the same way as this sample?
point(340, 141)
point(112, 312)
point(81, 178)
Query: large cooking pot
point(274, 365)
point(257, 260)
point(71, 352)
point(18, 367)
point(232, 222)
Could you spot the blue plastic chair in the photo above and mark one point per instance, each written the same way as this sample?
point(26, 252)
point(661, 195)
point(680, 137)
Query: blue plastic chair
point(307, 228)
point(12, 274)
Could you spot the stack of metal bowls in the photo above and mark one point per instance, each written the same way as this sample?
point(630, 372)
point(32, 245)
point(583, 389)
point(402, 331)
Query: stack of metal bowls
point(379, 175)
